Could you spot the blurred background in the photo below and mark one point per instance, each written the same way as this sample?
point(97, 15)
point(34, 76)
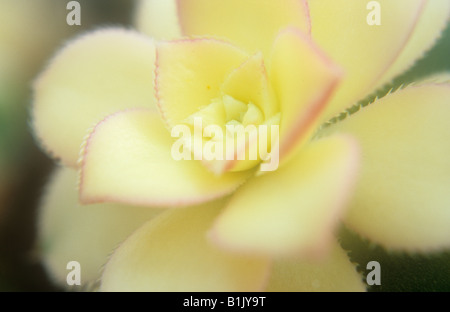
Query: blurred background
point(31, 31)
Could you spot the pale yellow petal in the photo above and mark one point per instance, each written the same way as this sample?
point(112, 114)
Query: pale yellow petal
point(432, 21)
point(158, 19)
point(92, 77)
point(251, 24)
point(128, 158)
point(294, 209)
point(249, 83)
point(189, 74)
point(402, 200)
point(368, 52)
point(304, 80)
point(334, 272)
point(68, 231)
point(171, 253)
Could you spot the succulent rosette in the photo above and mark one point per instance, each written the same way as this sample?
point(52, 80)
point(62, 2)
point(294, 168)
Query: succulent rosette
point(108, 102)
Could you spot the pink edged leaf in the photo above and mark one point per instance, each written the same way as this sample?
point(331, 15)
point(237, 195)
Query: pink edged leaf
point(372, 54)
point(69, 231)
point(128, 159)
point(304, 80)
point(295, 209)
point(402, 200)
point(251, 24)
point(93, 76)
point(189, 74)
point(172, 253)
